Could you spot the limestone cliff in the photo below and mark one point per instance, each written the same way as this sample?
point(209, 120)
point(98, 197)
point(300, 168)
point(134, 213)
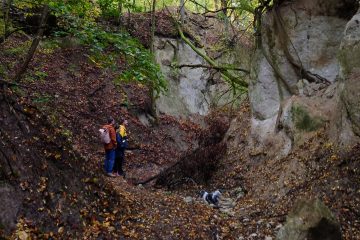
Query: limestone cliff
point(195, 90)
point(304, 74)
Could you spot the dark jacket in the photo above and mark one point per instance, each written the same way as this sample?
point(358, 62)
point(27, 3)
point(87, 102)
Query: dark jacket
point(122, 143)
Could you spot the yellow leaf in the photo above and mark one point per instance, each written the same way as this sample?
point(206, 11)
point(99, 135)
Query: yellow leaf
point(61, 230)
point(22, 235)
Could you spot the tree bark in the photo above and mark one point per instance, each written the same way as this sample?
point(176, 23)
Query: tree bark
point(120, 8)
point(182, 11)
point(34, 45)
point(6, 11)
point(152, 49)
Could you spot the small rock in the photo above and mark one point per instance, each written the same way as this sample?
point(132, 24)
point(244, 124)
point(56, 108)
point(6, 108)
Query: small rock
point(188, 199)
point(253, 235)
point(227, 211)
point(268, 238)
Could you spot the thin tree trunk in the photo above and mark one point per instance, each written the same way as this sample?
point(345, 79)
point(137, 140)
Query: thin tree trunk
point(182, 11)
point(224, 5)
point(152, 49)
point(6, 6)
point(153, 27)
point(34, 45)
point(120, 8)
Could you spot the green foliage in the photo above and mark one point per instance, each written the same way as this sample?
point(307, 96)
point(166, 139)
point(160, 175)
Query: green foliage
point(2, 26)
point(40, 75)
point(18, 50)
point(3, 71)
point(110, 8)
point(106, 47)
point(45, 98)
point(304, 121)
point(49, 46)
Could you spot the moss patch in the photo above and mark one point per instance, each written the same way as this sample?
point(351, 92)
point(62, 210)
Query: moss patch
point(303, 121)
point(349, 59)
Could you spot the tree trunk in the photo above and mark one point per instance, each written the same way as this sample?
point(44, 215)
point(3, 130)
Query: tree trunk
point(224, 5)
point(6, 10)
point(120, 8)
point(182, 11)
point(34, 44)
point(152, 49)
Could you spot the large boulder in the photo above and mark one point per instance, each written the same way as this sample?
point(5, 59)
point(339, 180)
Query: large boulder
point(349, 57)
point(310, 220)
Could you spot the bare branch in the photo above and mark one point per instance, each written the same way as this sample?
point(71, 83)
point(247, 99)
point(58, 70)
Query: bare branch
point(34, 44)
point(214, 67)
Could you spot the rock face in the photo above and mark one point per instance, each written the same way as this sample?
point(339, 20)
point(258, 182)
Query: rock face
point(187, 86)
point(300, 42)
point(310, 220)
point(197, 90)
point(350, 71)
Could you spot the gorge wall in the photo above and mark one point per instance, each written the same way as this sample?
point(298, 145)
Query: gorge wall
point(195, 90)
point(304, 75)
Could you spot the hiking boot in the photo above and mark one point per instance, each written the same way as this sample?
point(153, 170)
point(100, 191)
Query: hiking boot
point(110, 175)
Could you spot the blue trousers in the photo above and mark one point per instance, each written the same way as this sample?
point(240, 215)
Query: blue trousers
point(109, 160)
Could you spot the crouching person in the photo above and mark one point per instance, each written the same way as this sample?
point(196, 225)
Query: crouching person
point(110, 147)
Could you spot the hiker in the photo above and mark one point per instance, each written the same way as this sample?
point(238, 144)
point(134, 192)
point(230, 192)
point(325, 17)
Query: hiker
point(122, 144)
point(110, 147)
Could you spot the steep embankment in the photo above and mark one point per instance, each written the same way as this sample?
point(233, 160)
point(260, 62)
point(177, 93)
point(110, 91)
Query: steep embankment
point(269, 187)
point(44, 190)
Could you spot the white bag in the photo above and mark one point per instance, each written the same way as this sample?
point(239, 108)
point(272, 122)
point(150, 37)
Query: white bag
point(104, 135)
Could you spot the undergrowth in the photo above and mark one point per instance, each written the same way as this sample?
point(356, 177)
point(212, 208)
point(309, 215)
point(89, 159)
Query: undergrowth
point(107, 46)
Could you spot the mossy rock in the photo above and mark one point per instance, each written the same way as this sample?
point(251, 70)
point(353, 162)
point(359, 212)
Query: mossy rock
point(351, 99)
point(349, 59)
point(311, 220)
point(304, 121)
